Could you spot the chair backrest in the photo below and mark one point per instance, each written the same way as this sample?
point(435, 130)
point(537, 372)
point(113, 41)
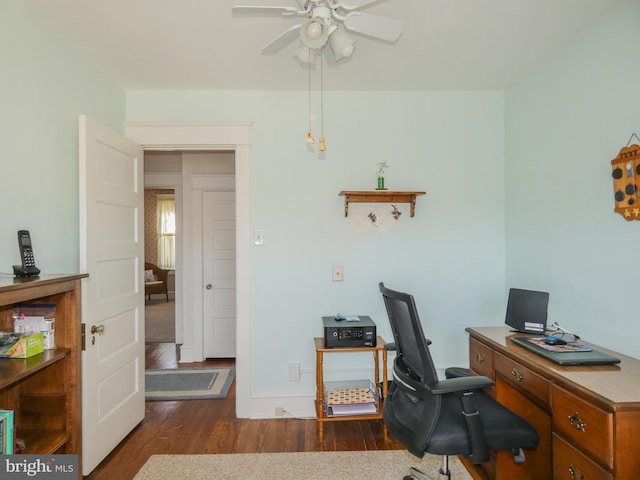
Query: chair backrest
point(408, 418)
point(412, 351)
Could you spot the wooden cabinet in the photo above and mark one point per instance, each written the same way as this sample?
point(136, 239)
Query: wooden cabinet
point(587, 417)
point(44, 390)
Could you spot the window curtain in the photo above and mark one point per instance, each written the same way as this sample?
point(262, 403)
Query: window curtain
point(166, 213)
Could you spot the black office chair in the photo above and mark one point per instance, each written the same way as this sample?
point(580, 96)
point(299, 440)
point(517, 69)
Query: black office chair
point(443, 417)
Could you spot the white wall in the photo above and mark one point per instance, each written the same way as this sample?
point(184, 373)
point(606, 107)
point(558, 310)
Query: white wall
point(450, 255)
point(565, 122)
point(44, 86)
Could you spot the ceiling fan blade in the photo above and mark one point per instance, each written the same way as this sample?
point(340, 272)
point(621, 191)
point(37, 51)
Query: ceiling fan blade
point(282, 40)
point(353, 4)
point(254, 10)
point(383, 28)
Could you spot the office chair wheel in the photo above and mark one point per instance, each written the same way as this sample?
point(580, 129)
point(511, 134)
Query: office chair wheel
point(416, 474)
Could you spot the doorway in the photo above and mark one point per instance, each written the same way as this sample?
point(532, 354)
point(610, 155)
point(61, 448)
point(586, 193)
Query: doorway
point(233, 136)
point(160, 265)
point(202, 185)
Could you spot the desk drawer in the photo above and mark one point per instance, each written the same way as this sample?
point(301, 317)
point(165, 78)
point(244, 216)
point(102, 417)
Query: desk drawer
point(586, 426)
point(480, 358)
point(522, 378)
point(571, 464)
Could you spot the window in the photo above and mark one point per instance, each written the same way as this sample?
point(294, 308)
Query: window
point(166, 213)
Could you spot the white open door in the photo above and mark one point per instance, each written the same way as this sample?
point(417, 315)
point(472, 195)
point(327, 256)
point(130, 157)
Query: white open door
point(112, 253)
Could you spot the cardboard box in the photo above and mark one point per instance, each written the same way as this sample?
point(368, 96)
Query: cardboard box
point(21, 345)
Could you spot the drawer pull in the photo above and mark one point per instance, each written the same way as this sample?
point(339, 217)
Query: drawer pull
point(517, 375)
point(479, 358)
point(576, 422)
point(575, 473)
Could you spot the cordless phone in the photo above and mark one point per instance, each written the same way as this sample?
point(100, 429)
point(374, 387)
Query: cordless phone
point(28, 267)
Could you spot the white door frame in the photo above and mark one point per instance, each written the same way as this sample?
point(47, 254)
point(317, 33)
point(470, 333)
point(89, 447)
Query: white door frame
point(215, 136)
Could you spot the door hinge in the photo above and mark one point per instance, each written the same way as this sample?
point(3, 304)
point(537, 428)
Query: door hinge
point(82, 326)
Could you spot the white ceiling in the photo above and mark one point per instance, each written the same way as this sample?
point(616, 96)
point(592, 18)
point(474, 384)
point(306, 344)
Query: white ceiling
point(199, 44)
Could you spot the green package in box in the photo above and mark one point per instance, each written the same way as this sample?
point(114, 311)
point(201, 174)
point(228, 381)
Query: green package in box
point(21, 345)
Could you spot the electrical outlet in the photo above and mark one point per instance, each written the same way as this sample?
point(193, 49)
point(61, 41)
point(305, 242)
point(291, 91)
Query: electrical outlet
point(336, 273)
point(279, 411)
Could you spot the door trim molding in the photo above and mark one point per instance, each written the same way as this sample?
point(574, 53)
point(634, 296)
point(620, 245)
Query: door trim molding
point(218, 136)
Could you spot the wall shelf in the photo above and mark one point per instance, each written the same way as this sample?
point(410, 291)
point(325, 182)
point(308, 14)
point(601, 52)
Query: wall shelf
point(379, 196)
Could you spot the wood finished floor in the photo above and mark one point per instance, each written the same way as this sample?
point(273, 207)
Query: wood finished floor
point(210, 426)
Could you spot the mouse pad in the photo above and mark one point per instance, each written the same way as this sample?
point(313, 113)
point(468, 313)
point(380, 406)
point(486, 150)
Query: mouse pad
point(593, 357)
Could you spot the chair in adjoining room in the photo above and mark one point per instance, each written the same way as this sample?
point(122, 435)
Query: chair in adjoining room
point(155, 280)
point(446, 417)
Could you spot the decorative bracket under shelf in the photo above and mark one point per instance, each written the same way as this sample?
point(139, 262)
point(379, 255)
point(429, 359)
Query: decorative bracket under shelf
point(379, 196)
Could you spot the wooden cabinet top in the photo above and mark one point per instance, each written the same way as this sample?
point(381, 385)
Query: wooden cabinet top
point(19, 289)
point(615, 386)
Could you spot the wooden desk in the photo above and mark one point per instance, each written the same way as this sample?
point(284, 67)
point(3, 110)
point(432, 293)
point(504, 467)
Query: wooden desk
point(320, 411)
point(587, 417)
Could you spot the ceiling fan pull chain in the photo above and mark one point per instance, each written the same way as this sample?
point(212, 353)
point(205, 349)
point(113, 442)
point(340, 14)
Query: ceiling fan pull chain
point(322, 147)
point(310, 138)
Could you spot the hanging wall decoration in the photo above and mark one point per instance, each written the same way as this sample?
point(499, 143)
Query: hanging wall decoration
point(626, 180)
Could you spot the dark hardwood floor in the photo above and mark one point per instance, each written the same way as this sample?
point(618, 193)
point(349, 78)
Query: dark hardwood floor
point(210, 426)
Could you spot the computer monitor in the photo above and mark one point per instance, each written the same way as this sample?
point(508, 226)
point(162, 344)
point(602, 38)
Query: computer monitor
point(527, 310)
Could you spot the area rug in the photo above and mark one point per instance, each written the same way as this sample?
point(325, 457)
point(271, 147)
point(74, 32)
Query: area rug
point(380, 464)
point(188, 383)
point(160, 321)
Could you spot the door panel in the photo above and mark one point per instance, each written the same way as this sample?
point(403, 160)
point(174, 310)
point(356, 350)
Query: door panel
point(219, 271)
point(112, 253)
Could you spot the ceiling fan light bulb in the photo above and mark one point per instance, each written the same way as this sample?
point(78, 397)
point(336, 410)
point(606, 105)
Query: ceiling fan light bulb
point(314, 33)
point(341, 45)
point(314, 30)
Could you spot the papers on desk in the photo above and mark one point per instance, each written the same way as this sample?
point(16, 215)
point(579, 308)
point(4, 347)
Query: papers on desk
point(570, 346)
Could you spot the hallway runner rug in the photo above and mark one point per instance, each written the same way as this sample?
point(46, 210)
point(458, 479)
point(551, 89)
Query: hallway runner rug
point(188, 383)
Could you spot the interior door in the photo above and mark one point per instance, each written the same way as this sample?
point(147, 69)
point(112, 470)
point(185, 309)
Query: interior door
point(112, 253)
point(219, 274)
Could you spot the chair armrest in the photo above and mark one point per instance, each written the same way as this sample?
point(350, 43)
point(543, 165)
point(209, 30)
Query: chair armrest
point(391, 346)
point(460, 384)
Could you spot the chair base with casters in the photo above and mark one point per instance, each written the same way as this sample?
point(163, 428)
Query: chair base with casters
point(454, 416)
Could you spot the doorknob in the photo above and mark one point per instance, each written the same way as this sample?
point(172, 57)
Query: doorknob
point(209, 286)
point(97, 329)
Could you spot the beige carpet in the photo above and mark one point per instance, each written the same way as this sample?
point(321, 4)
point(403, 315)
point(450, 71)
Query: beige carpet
point(159, 321)
point(379, 465)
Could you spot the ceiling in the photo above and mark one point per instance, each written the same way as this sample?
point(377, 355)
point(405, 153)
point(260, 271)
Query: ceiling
point(199, 44)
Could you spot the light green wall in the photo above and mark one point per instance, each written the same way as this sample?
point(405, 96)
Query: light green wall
point(565, 122)
point(556, 130)
point(44, 85)
point(450, 255)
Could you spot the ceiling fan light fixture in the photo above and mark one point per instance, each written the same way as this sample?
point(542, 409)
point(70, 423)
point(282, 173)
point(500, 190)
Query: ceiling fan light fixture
point(306, 55)
point(341, 44)
point(314, 33)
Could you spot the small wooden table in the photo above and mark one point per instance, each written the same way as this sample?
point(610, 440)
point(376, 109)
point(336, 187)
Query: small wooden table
point(321, 414)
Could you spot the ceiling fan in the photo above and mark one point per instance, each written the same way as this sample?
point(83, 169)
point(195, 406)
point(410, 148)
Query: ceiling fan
point(324, 19)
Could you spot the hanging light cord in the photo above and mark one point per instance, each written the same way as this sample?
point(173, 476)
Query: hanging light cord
point(310, 138)
point(322, 147)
